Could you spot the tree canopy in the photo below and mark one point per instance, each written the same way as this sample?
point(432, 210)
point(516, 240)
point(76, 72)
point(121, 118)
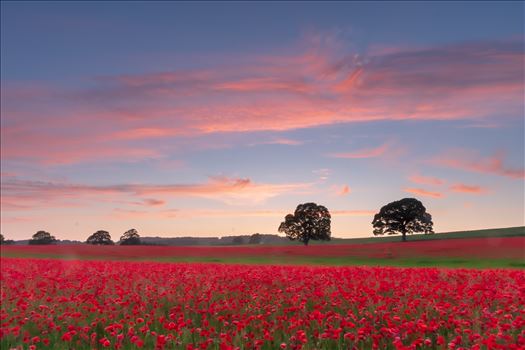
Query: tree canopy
point(309, 222)
point(42, 237)
point(100, 238)
point(4, 241)
point(407, 215)
point(130, 237)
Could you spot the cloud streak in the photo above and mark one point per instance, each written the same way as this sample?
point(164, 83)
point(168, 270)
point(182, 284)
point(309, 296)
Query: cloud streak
point(24, 195)
point(426, 180)
point(121, 114)
point(344, 191)
point(362, 153)
point(423, 192)
point(279, 141)
point(469, 161)
point(471, 189)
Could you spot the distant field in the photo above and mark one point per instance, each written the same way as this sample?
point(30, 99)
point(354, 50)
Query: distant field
point(461, 252)
point(496, 232)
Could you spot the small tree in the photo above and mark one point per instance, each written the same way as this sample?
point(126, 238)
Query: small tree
point(256, 238)
point(100, 238)
point(407, 215)
point(42, 238)
point(4, 241)
point(309, 222)
point(130, 237)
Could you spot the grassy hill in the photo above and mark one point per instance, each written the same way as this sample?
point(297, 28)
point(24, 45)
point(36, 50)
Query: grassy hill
point(495, 232)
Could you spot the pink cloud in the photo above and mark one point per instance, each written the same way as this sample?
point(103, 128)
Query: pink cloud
point(7, 174)
point(24, 143)
point(345, 190)
point(465, 160)
point(350, 82)
point(426, 180)
point(423, 192)
point(462, 188)
point(144, 133)
point(305, 89)
point(18, 194)
point(265, 84)
point(285, 141)
point(279, 141)
point(362, 153)
point(153, 202)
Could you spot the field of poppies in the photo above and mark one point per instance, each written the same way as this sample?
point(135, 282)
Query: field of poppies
point(73, 304)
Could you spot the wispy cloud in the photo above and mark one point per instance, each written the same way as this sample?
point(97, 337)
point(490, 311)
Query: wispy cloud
point(6, 174)
point(265, 84)
point(279, 141)
point(193, 213)
point(144, 133)
point(28, 144)
point(153, 202)
point(426, 180)
point(472, 189)
point(303, 89)
point(341, 190)
point(470, 161)
point(362, 153)
point(19, 194)
point(423, 192)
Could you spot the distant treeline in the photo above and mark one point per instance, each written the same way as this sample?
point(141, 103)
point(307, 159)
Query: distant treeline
point(189, 241)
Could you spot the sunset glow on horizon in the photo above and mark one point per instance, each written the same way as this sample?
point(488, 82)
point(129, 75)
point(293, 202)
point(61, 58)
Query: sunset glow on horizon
point(215, 119)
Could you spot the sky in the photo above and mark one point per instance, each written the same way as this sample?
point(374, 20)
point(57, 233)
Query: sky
point(219, 118)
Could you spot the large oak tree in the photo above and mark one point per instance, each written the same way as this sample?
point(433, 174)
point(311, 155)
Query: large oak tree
point(309, 222)
point(100, 238)
point(407, 215)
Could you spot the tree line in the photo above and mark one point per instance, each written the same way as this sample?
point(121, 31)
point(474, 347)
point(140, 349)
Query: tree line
point(130, 237)
point(309, 221)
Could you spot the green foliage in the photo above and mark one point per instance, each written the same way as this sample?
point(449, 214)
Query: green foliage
point(130, 237)
point(4, 241)
point(42, 238)
point(407, 215)
point(309, 222)
point(100, 238)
